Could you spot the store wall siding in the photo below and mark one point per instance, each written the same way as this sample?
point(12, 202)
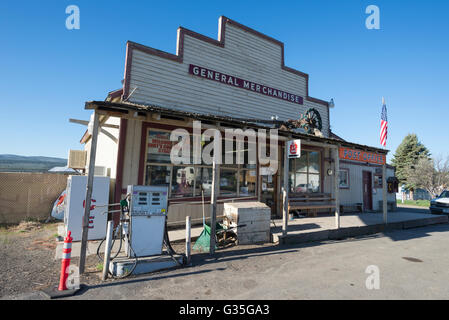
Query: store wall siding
point(167, 83)
point(355, 192)
point(107, 149)
point(132, 153)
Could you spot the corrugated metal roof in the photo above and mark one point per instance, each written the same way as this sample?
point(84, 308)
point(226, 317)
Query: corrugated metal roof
point(125, 107)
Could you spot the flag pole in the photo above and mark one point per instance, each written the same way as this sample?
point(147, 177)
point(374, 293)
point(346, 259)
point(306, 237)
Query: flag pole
point(384, 176)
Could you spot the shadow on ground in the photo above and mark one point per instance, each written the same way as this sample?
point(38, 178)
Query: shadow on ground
point(238, 253)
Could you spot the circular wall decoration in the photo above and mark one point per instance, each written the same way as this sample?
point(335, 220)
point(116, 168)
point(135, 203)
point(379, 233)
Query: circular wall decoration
point(311, 120)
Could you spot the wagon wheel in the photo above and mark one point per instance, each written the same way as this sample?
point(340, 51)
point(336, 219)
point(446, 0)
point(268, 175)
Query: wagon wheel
point(311, 120)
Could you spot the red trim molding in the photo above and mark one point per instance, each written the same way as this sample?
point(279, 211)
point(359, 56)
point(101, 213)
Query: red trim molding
point(179, 56)
point(120, 159)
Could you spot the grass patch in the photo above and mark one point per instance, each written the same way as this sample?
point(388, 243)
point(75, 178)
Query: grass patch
point(99, 267)
point(419, 203)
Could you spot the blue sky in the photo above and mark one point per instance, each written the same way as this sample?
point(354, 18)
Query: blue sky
point(48, 72)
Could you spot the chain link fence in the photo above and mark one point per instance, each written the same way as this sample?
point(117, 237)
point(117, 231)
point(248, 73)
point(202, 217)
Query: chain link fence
point(28, 196)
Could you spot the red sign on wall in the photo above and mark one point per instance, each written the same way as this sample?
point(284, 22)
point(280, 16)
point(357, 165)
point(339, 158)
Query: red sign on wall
point(294, 149)
point(362, 156)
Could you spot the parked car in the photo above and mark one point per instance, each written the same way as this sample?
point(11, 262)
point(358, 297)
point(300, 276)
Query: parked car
point(441, 203)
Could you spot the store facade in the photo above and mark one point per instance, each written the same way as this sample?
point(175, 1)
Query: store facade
point(238, 82)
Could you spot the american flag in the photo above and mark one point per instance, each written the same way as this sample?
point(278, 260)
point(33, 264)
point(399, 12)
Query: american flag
point(383, 124)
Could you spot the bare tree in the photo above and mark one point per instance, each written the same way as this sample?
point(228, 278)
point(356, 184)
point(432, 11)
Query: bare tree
point(430, 174)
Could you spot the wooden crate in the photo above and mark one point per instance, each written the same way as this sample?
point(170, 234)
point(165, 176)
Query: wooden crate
point(256, 218)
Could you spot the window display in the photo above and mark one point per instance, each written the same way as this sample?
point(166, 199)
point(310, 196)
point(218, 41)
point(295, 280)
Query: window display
point(305, 172)
point(189, 180)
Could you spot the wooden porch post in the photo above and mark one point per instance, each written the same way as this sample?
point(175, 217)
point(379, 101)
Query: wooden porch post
point(285, 192)
point(384, 193)
point(213, 202)
point(337, 187)
point(90, 180)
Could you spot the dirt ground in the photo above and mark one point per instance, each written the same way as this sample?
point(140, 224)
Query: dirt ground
point(27, 259)
point(27, 263)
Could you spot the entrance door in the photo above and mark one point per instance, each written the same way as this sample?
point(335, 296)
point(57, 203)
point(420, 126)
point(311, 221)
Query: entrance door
point(367, 190)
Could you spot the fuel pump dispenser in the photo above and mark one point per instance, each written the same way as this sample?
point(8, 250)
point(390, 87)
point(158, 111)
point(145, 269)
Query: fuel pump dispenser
point(143, 232)
point(147, 220)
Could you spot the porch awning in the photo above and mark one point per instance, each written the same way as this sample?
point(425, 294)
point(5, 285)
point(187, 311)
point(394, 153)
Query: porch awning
point(140, 111)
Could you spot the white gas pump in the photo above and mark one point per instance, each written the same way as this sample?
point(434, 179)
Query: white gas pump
point(147, 215)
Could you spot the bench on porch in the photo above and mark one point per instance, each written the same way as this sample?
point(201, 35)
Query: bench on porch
point(311, 202)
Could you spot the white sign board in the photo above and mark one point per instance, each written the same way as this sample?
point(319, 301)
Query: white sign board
point(294, 149)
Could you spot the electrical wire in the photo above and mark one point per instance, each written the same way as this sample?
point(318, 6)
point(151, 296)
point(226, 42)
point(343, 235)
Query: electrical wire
point(170, 249)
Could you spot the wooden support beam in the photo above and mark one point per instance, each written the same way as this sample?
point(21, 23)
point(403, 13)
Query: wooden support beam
point(109, 135)
point(384, 193)
point(88, 198)
point(213, 211)
point(337, 187)
point(285, 192)
point(85, 123)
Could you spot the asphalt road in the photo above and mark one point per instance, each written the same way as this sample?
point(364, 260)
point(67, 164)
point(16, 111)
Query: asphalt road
point(412, 264)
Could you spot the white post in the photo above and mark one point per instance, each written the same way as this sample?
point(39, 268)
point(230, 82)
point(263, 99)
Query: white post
point(213, 203)
point(90, 180)
point(107, 249)
point(384, 193)
point(337, 188)
point(285, 191)
point(188, 238)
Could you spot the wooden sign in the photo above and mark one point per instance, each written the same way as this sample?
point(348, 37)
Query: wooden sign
point(244, 84)
point(362, 156)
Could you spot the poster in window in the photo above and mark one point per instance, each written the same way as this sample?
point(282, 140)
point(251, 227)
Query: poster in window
point(344, 178)
point(159, 146)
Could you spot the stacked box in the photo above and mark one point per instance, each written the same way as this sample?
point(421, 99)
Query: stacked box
point(255, 216)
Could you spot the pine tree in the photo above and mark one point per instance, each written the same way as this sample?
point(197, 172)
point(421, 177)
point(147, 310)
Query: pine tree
point(407, 156)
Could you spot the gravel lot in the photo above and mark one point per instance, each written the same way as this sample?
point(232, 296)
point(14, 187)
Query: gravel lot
point(27, 261)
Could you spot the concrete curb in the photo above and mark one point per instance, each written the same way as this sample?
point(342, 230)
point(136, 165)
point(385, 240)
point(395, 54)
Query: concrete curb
point(343, 233)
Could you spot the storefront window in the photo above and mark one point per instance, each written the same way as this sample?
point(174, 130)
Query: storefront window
point(377, 181)
point(182, 182)
point(344, 178)
point(203, 181)
point(314, 163)
point(228, 182)
point(314, 183)
point(301, 182)
point(247, 183)
point(189, 180)
point(158, 175)
point(305, 172)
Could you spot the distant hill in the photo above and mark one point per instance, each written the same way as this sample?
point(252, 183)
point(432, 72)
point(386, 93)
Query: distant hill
point(15, 163)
